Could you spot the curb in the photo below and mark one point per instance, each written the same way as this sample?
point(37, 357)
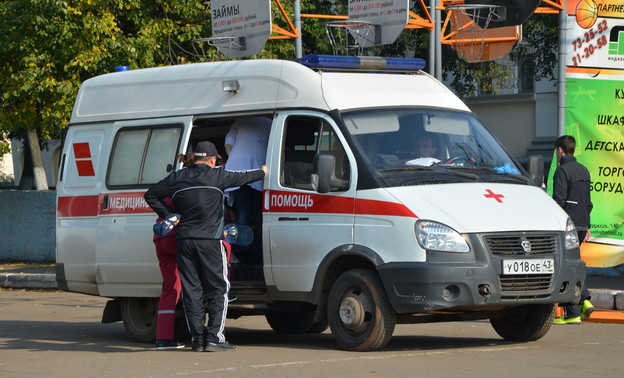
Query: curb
point(605, 299)
point(28, 281)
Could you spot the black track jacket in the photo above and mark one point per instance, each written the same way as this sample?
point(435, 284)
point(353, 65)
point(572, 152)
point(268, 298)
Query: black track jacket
point(571, 190)
point(197, 194)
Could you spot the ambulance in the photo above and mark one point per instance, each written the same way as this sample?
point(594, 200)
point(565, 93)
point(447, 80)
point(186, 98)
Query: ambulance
point(360, 231)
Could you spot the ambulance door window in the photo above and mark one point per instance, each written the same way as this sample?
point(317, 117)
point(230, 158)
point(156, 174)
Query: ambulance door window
point(330, 144)
point(142, 157)
point(159, 152)
point(300, 146)
point(305, 136)
point(127, 157)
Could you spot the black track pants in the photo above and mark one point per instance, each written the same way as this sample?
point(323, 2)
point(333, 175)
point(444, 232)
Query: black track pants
point(202, 264)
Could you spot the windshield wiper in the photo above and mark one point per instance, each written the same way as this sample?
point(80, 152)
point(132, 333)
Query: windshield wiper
point(413, 168)
point(435, 168)
point(463, 174)
point(494, 171)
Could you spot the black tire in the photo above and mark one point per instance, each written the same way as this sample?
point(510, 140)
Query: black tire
point(525, 323)
point(292, 322)
point(359, 313)
point(319, 327)
point(139, 318)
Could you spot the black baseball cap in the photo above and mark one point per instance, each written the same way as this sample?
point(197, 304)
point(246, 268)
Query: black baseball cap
point(206, 148)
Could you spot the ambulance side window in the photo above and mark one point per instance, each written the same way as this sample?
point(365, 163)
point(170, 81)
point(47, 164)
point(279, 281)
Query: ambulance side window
point(330, 144)
point(305, 136)
point(141, 157)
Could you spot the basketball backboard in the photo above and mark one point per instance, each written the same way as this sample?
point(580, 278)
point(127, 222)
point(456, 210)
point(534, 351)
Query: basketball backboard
point(516, 12)
point(240, 27)
point(468, 29)
point(387, 20)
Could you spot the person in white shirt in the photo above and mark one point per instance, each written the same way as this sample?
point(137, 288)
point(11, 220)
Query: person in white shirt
point(246, 145)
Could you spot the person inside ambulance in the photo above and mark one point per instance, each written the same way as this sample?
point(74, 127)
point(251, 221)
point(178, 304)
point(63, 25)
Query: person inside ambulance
point(425, 150)
point(246, 145)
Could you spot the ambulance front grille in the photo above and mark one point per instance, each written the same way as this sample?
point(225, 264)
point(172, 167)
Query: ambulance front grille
point(525, 282)
point(513, 244)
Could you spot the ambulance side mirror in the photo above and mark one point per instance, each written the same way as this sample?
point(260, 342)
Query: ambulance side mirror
point(323, 178)
point(536, 169)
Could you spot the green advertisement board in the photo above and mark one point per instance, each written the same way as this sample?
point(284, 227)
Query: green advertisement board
point(595, 117)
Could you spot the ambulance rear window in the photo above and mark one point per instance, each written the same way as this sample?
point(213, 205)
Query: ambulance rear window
point(142, 157)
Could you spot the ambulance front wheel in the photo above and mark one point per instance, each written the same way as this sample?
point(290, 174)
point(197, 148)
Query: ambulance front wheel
point(139, 318)
point(525, 323)
point(359, 313)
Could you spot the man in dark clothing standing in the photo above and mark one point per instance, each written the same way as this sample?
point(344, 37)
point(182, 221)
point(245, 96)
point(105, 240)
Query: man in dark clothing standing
point(197, 195)
point(571, 190)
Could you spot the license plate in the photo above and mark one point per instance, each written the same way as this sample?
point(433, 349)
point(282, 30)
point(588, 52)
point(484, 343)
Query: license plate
point(528, 266)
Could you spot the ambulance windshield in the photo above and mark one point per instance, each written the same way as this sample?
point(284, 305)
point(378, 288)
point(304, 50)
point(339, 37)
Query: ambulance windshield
point(410, 146)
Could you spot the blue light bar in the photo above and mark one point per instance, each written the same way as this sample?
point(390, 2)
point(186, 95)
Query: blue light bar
point(368, 63)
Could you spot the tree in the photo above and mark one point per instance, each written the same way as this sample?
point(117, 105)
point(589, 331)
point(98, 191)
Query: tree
point(48, 47)
point(540, 35)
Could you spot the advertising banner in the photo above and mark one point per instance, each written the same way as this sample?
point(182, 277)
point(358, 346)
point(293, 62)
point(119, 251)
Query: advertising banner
point(595, 117)
point(240, 28)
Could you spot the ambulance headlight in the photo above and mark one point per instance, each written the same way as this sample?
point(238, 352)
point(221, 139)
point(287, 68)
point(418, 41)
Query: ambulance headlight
point(438, 237)
point(571, 236)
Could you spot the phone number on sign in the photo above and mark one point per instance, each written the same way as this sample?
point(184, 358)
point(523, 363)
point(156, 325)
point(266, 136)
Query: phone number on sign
point(588, 38)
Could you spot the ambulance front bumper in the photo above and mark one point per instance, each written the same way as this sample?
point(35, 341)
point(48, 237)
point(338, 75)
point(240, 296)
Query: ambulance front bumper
point(477, 280)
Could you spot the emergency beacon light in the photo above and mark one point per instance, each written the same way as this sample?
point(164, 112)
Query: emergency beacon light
point(367, 63)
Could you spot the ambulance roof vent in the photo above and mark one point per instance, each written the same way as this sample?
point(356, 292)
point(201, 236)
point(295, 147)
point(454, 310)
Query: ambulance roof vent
point(362, 63)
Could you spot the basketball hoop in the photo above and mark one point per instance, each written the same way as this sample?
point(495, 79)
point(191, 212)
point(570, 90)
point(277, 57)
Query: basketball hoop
point(351, 37)
point(221, 43)
point(469, 23)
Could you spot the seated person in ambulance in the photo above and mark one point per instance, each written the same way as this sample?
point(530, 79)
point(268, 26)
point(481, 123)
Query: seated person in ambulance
point(425, 150)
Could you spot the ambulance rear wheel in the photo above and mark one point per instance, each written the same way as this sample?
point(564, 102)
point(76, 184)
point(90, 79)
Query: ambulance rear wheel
point(359, 313)
point(290, 322)
point(525, 323)
point(139, 318)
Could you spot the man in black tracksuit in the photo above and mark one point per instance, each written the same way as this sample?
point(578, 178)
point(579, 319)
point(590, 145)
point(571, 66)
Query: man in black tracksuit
point(571, 190)
point(197, 195)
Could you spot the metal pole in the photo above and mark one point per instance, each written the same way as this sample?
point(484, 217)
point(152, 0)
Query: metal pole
point(298, 44)
point(561, 105)
point(432, 39)
point(438, 31)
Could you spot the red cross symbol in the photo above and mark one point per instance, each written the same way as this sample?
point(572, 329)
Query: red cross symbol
point(491, 194)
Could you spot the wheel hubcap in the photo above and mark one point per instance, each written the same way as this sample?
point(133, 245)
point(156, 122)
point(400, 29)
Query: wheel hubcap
point(351, 312)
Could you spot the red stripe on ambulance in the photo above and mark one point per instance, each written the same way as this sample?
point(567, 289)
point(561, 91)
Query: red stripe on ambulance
point(78, 206)
point(103, 204)
point(375, 207)
point(124, 203)
point(294, 202)
point(279, 202)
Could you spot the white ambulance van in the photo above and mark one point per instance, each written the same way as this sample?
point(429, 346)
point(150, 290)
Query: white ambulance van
point(360, 230)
